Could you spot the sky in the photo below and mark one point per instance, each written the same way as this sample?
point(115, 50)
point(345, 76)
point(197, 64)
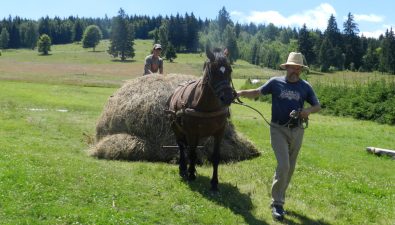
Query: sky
point(372, 17)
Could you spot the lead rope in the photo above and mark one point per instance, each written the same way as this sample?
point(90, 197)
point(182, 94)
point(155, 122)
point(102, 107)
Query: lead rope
point(304, 123)
point(239, 102)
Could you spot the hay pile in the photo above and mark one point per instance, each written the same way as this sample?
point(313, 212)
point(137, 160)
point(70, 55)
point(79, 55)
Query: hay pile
point(133, 125)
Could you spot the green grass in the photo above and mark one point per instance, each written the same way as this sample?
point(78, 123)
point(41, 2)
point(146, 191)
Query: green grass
point(71, 64)
point(46, 176)
point(347, 78)
point(74, 53)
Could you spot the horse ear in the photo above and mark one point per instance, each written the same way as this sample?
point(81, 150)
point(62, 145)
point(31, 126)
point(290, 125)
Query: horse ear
point(210, 55)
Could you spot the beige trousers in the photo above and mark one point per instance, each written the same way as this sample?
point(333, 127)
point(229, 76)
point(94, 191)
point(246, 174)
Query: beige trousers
point(286, 143)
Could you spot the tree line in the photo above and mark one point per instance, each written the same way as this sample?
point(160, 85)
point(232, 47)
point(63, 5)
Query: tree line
point(264, 44)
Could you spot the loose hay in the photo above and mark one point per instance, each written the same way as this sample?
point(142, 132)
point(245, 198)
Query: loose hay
point(133, 125)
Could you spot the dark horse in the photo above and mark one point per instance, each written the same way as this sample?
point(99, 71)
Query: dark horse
point(200, 109)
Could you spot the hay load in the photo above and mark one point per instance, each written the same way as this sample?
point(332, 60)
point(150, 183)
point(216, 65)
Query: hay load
point(133, 125)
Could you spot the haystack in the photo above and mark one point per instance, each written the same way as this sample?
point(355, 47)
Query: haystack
point(133, 125)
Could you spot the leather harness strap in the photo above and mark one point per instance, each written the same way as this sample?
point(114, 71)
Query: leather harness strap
point(195, 113)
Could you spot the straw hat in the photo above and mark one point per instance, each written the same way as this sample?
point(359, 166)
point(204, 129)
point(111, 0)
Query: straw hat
point(294, 58)
point(157, 46)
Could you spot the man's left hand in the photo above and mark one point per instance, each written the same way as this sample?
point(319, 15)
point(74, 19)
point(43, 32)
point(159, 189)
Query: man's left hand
point(304, 114)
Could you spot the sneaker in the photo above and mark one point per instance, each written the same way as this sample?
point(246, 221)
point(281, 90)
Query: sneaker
point(278, 212)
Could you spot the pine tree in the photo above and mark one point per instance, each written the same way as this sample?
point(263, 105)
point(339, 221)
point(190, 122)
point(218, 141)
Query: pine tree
point(170, 53)
point(350, 27)
point(177, 31)
point(43, 26)
point(44, 44)
point(192, 37)
point(387, 57)
point(29, 34)
point(78, 30)
point(254, 53)
point(352, 44)
point(231, 43)
point(223, 19)
point(371, 59)
point(154, 35)
point(164, 36)
point(237, 29)
point(4, 38)
point(391, 61)
point(122, 37)
point(285, 35)
point(305, 44)
point(14, 36)
point(270, 32)
point(91, 37)
point(332, 32)
point(330, 51)
point(326, 55)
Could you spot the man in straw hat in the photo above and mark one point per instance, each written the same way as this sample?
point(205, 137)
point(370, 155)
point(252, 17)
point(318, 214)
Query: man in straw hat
point(289, 93)
point(153, 62)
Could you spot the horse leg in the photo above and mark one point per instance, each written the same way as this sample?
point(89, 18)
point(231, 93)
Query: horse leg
point(180, 139)
point(216, 159)
point(183, 162)
point(192, 143)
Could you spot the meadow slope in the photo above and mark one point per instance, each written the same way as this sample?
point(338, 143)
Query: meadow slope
point(48, 109)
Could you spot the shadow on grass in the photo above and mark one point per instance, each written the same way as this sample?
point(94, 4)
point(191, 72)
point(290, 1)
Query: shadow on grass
point(228, 196)
point(315, 73)
point(303, 219)
point(124, 61)
point(97, 51)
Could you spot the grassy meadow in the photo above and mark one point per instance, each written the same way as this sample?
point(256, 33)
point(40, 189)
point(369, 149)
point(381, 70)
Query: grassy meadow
point(48, 109)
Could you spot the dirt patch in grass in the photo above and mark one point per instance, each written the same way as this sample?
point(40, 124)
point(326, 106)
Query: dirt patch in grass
point(120, 69)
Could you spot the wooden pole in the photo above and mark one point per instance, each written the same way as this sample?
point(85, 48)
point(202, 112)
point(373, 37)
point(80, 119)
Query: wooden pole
point(381, 151)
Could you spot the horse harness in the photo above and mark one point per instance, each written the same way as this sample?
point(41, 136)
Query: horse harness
point(186, 110)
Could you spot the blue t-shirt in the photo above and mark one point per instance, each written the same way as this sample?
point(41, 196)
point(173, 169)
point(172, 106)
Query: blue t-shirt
point(287, 96)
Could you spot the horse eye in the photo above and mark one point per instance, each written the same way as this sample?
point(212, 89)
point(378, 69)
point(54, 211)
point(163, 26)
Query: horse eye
point(222, 69)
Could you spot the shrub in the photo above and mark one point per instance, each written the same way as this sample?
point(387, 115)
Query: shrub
point(44, 44)
point(372, 101)
point(91, 37)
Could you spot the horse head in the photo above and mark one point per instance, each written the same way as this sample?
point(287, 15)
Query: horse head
point(217, 71)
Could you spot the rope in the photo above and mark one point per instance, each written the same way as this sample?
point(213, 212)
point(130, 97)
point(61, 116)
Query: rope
point(303, 123)
point(243, 104)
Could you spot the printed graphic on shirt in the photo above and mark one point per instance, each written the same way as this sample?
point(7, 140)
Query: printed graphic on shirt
point(290, 95)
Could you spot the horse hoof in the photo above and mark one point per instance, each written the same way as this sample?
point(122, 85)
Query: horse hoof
point(183, 174)
point(192, 177)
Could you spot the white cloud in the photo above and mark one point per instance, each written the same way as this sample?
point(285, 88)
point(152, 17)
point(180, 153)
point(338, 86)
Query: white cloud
point(237, 14)
point(377, 33)
point(372, 34)
point(388, 26)
point(313, 18)
point(368, 18)
point(268, 17)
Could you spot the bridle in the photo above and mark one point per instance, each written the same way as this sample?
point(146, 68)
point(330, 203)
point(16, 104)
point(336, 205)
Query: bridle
point(220, 86)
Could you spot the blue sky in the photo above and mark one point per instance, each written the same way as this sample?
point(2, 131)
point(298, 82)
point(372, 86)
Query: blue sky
point(372, 17)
